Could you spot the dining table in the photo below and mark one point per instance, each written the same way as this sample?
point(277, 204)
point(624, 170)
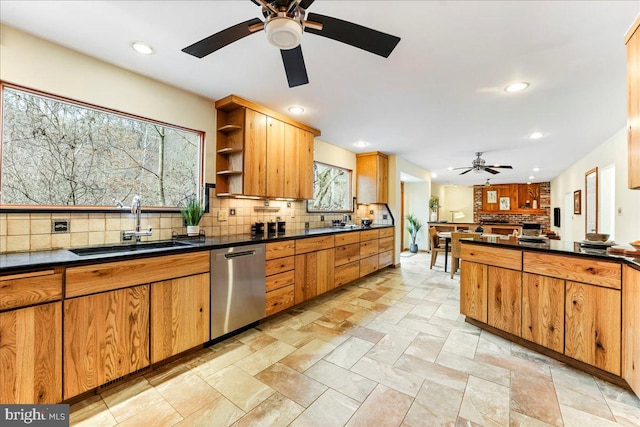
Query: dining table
point(446, 235)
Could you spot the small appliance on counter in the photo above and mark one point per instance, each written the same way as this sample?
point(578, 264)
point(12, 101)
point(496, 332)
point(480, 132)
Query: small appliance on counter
point(282, 227)
point(271, 228)
point(366, 222)
point(257, 229)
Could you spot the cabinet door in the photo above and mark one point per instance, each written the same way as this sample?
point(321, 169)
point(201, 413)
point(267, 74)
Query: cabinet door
point(314, 274)
point(372, 177)
point(106, 336)
point(383, 179)
point(255, 154)
point(543, 311)
point(473, 290)
point(305, 160)
point(31, 355)
point(631, 328)
point(292, 152)
point(276, 158)
point(592, 325)
point(505, 299)
point(633, 108)
point(179, 315)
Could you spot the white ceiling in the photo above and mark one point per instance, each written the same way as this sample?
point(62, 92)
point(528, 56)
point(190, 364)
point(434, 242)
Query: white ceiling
point(435, 101)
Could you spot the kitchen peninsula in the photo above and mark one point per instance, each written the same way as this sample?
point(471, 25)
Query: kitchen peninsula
point(573, 304)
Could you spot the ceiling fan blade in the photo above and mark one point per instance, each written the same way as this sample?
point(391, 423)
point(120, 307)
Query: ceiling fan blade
point(467, 171)
point(306, 3)
point(491, 170)
point(501, 166)
point(294, 66)
point(463, 167)
point(221, 39)
point(353, 34)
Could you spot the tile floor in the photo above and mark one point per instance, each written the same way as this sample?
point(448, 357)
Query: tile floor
point(390, 350)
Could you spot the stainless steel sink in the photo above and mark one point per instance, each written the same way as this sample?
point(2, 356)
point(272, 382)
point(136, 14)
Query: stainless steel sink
point(101, 250)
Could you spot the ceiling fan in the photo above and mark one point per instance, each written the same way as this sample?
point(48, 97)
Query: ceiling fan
point(479, 165)
point(284, 23)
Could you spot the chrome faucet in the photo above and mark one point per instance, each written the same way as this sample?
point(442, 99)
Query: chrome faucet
point(136, 209)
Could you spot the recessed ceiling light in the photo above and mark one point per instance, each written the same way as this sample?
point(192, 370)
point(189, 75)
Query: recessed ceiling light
point(296, 110)
point(536, 135)
point(450, 168)
point(361, 144)
point(536, 169)
point(434, 175)
point(528, 182)
point(142, 47)
point(532, 177)
point(516, 87)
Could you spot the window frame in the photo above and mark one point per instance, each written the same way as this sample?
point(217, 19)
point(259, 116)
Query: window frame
point(8, 208)
point(350, 198)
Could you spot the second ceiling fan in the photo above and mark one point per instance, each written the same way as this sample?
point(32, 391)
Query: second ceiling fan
point(480, 165)
point(285, 20)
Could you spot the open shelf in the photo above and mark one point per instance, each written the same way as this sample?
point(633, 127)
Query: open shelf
point(229, 128)
point(229, 172)
point(229, 150)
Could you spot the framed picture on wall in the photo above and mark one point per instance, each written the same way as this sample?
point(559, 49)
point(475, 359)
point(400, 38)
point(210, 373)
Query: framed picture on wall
point(492, 196)
point(577, 202)
point(505, 204)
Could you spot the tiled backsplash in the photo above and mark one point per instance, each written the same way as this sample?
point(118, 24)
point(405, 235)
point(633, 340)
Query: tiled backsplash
point(32, 231)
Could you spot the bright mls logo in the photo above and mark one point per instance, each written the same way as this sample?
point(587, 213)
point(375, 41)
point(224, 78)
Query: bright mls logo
point(34, 415)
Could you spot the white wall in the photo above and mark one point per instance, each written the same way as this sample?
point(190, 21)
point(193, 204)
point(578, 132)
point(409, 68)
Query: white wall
point(333, 155)
point(38, 64)
point(454, 198)
point(611, 151)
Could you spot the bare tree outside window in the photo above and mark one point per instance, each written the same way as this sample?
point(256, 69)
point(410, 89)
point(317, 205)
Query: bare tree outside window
point(331, 189)
point(57, 153)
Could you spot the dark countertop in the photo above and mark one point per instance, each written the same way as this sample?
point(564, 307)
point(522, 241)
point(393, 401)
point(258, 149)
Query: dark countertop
point(554, 246)
point(20, 261)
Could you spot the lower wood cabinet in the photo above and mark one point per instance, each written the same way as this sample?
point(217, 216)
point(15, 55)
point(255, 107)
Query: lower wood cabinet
point(592, 325)
point(504, 303)
point(280, 299)
point(31, 354)
point(473, 290)
point(179, 315)
point(314, 274)
point(543, 311)
point(106, 336)
point(347, 273)
point(631, 328)
point(368, 265)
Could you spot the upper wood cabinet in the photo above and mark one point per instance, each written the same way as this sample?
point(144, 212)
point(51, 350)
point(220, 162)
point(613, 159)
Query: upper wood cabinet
point(262, 153)
point(633, 102)
point(523, 199)
point(372, 177)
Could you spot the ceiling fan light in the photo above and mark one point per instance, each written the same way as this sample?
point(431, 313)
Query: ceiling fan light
point(284, 33)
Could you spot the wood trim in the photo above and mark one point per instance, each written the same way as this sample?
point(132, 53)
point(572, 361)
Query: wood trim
point(280, 249)
point(231, 102)
point(591, 271)
point(632, 30)
point(30, 290)
point(313, 244)
point(589, 369)
point(497, 257)
point(26, 275)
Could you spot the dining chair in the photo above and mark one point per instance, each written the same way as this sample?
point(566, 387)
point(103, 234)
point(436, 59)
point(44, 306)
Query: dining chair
point(435, 245)
point(455, 248)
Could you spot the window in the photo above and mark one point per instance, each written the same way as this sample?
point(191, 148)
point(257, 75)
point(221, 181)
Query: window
point(62, 153)
point(331, 189)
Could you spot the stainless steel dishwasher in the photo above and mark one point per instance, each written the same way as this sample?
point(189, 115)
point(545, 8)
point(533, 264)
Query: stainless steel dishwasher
point(237, 288)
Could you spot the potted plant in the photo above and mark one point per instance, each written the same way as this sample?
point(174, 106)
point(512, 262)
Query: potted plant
point(414, 226)
point(434, 205)
point(192, 214)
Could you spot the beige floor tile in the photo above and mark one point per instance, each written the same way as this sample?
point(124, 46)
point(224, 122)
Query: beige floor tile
point(290, 336)
point(397, 331)
point(520, 420)
point(255, 339)
point(580, 391)
point(384, 407)
point(417, 324)
point(349, 352)
point(334, 317)
point(333, 336)
point(535, 396)
point(277, 410)
point(365, 333)
point(625, 414)
point(363, 316)
point(162, 414)
point(434, 372)
point(436, 403)
point(220, 413)
point(461, 422)
point(573, 417)
point(265, 357)
point(131, 398)
point(485, 403)
point(91, 412)
point(613, 393)
point(346, 382)
point(330, 409)
point(488, 372)
point(294, 385)
point(461, 343)
point(397, 379)
point(242, 389)
point(304, 357)
point(304, 318)
point(425, 347)
point(212, 361)
point(513, 363)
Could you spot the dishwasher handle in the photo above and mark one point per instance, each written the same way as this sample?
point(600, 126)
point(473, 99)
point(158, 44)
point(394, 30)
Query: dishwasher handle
point(233, 255)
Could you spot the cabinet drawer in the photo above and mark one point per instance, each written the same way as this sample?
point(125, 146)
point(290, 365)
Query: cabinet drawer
point(602, 273)
point(314, 244)
point(385, 259)
point(368, 235)
point(368, 248)
point(91, 279)
point(20, 290)
point(385, 244)
point(280, 265)
point(280, 249)
point(279, 280)
point(497, 257)
point(347, 253)
point(347, 238)
point(279, 299)
point(368, 265)
point(386, 232)
point(347, 273)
